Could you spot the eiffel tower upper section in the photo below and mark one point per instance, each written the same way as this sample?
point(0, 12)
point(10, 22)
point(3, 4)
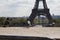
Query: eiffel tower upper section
point(37, 4)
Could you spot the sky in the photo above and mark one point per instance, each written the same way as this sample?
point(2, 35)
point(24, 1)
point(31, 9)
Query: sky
point(20, 8)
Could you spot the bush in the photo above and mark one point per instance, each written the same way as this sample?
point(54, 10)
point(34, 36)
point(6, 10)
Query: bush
point(2, 19)
point(57, 20)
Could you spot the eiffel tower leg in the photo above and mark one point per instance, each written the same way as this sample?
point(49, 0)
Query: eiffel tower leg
point(44, 4)
point(32, 16)
point(48, 14)
point(51, 22)
point(36, 4)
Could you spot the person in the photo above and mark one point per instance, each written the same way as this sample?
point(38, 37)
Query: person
point(6, 23)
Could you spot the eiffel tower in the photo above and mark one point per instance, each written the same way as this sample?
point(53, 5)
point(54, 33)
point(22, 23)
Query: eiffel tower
point(36, 12)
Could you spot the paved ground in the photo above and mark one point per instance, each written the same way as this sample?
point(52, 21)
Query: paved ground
point(51, 32)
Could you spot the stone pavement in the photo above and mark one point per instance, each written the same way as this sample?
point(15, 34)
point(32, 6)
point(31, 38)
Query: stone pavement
point(39, 31)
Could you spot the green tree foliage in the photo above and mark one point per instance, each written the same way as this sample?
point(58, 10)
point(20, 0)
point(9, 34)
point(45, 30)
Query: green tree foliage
point(17, 21)
point(22, 20)
point(2, 19)
point(57, 20)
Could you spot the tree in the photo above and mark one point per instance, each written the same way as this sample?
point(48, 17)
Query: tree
point(2, 19)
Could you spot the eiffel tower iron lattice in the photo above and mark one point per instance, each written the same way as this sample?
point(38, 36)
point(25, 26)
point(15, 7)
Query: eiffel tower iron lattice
point(36, 12)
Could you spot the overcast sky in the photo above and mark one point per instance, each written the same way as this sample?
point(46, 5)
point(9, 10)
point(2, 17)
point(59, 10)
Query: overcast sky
point(18, 8)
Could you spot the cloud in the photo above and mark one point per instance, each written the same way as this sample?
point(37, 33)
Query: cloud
point(54, 6)
point(18, 8)
point(15, 7)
